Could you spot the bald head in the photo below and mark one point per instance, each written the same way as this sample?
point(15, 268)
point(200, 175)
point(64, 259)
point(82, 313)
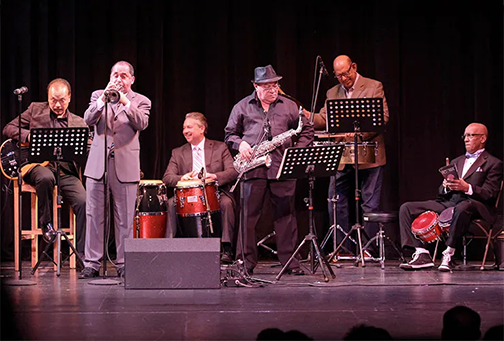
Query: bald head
point(345, 70)
point(475, 137)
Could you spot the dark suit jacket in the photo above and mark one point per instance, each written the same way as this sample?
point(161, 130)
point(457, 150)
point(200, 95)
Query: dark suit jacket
point(124, 129)
point(218, 160)
point(485, 176)
point(363, 88)
point(38, 115)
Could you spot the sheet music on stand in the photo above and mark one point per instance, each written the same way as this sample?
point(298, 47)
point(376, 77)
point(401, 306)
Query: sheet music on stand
point(324, 161)
point(343, 113)
point(58, 144)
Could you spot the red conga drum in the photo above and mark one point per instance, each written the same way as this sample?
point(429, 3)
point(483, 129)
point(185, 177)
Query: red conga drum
point(425, 227)
point(151, 210)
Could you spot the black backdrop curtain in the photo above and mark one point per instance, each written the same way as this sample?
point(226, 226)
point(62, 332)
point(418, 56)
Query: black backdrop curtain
point(440, 62)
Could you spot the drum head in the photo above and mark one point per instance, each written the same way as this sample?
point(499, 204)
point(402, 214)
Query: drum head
point(193, 183)
point(424, 220)
point(150, 182)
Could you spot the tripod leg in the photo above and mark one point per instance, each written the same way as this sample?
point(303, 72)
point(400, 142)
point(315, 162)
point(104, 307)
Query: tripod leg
point(290, 260)
point(322, 262)
point(327, 236)
point(73, 249)
point(360, 246)
point(41, 258)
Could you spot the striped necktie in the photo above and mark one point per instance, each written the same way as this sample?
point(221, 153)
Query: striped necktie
point(197, 159)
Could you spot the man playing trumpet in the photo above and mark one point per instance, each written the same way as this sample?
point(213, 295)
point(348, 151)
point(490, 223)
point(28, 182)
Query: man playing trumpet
point(125, 120)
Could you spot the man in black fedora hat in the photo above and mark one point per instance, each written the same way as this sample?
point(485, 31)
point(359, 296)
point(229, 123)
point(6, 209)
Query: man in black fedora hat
point(254, 120)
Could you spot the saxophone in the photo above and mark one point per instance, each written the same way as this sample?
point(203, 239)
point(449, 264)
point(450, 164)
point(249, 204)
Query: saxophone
point(260, 153)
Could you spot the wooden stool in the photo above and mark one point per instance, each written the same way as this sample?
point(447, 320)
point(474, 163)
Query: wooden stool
point(381, 218)
point(35, 232)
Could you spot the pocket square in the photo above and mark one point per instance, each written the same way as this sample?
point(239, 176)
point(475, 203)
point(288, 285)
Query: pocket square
point(479, 170)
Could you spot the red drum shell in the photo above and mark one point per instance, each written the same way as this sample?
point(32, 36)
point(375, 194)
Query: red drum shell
point(150, 225)
point(190, 201)
point(425, 227)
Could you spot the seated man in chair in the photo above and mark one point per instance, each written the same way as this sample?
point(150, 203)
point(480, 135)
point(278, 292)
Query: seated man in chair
point(472, 196)
point(186, 163)
point(53, 114)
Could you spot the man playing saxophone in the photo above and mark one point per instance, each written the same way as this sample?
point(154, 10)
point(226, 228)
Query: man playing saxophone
point(255, 120)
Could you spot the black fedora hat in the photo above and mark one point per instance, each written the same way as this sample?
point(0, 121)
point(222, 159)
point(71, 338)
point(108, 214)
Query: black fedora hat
point(265, 74)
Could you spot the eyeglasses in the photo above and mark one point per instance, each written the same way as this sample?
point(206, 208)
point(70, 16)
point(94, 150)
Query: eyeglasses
point(269, 87)
point(345, 74)
point(469, 136)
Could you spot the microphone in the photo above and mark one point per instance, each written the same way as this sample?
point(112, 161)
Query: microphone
point(322, 66)
point(21, 90)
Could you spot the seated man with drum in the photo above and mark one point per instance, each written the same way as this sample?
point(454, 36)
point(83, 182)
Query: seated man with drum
point(471, 196)
point(201, 159)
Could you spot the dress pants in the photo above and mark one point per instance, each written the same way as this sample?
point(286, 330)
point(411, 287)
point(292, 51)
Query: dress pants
point(285, 225)
point(463, 213)
point(72, 190)
point(123, 202)
point(370, 183)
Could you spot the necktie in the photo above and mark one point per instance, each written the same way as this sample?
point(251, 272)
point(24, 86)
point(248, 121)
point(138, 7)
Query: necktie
point(197, 159)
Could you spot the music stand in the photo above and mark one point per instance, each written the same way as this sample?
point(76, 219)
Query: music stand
point(58, 144)
point(310, 162)
point(355, 115)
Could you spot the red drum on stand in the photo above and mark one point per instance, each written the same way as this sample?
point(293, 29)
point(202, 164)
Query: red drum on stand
point(191, 207)
point(425, 227)
point(151, 214)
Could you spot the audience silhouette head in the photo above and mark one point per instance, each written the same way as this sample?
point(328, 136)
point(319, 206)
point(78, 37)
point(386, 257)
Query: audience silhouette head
point(367, 332)
point(461, 323)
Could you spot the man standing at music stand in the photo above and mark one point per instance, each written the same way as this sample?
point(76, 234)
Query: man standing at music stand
point(125, 121)
point(53, 114)
point(353, 85)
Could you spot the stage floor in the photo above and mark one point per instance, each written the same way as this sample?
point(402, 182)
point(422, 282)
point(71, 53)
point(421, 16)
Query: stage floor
point(409, 305)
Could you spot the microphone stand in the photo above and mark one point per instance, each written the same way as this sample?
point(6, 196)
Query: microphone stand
point(19, 272)
point(316, 88)
point(111, 96)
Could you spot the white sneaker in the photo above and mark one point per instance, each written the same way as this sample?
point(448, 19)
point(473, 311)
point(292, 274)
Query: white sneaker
point(446, 263)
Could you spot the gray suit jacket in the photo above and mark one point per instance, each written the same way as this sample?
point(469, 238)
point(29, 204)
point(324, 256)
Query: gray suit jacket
point(218, 160)
point(364, 88)
point(123, 129)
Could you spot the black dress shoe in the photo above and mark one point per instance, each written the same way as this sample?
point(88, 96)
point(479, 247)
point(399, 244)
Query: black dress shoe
point(121, 272)
point(226, 258)
point(295, 272)
point(88, 273)
point(48, 233)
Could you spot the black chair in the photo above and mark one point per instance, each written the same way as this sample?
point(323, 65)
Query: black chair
point(482, 229)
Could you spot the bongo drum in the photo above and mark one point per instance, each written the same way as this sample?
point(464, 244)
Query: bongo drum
point(151, 214)
point(425, 227)
point(191, 207)
point(190, 199)
point(445, 219)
